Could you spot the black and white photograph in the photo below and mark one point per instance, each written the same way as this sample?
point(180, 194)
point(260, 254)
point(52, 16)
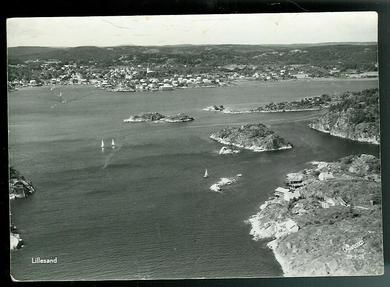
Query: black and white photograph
point(201, 146)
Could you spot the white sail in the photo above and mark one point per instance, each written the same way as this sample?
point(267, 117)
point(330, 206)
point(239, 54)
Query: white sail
point(112, 143)
point(102, 145)
point(206, 173)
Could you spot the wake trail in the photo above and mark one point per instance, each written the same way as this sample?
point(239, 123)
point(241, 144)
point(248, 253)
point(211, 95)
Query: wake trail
point(108, 158)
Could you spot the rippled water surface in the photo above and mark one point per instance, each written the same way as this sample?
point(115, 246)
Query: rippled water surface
point(143, 209)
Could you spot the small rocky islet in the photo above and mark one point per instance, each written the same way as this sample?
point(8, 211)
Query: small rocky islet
point(159, 118)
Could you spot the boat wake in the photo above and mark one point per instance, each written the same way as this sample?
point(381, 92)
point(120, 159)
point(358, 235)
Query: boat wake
point(110, 155)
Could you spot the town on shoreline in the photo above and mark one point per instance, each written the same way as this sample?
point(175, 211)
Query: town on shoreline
point(131, 69)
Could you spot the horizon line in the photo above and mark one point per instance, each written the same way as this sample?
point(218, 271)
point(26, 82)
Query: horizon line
point(222, 44)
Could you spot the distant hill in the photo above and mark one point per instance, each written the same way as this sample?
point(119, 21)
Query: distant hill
point(351, 55)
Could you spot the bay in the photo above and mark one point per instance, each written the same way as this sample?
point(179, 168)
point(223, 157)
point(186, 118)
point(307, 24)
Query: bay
point(143, 210)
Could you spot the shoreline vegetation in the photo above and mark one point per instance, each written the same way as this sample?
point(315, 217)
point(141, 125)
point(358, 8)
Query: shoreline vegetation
point(19, 188)
point(327, 221)
point(159, 118)
point(353, 116)
point(254, 137)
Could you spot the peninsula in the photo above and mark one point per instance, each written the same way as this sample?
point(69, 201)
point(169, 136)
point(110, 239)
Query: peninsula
point(159, 118)
point(255, 137)
point(354, 116)
point(327, 221)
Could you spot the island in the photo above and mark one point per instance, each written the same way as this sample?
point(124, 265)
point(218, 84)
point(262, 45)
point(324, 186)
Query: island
point(214, 108)
point(159, 118)
point(327, 220)
point(223, 181)
point(353, 116)
point(306, 104)
point(19, 187)
point(255, 137)
point(315, 103)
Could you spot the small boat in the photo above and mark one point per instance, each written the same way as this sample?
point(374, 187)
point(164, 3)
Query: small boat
point(60, 95)
point(102, 144)
point(112, 143)
point(205, 174)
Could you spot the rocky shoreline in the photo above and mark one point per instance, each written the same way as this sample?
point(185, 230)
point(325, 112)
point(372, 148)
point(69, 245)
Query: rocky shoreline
point(355, 116)
point(224, 110)
point(254, 137)
point(159, 118)
point(327, 221)
point(19, 188)
point(372, 139)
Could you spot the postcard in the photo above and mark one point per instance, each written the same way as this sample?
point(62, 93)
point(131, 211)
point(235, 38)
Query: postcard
point(194, 146)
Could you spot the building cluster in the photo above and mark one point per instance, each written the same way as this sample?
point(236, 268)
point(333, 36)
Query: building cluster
point(128, 77)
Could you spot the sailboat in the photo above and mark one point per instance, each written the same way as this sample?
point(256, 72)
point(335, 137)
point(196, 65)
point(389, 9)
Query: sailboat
point(112, 143)
point(205, 174)
point(102, 144)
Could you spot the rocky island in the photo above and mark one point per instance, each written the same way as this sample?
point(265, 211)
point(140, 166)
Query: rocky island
point(330, 224)
point(223, 181)
point(354, 116)
point(19, 187)
point(255, 137)
point(158, 118)
point(214, 108)
point(306, 104)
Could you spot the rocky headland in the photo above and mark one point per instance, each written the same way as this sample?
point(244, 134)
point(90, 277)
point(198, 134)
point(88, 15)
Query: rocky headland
point(19, 188)
point(354, 116)
point(327, 221)
point(159, 118)
point(255, 137)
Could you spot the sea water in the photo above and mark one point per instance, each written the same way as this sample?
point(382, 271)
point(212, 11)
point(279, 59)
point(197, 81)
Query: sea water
point(143, 209)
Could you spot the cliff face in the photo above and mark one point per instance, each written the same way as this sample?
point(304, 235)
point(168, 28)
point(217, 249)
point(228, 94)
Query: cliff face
point(333, 223)
point(256, 137)
point(355, 116)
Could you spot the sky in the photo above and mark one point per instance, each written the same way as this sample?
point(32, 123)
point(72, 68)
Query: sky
point(291, 28)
